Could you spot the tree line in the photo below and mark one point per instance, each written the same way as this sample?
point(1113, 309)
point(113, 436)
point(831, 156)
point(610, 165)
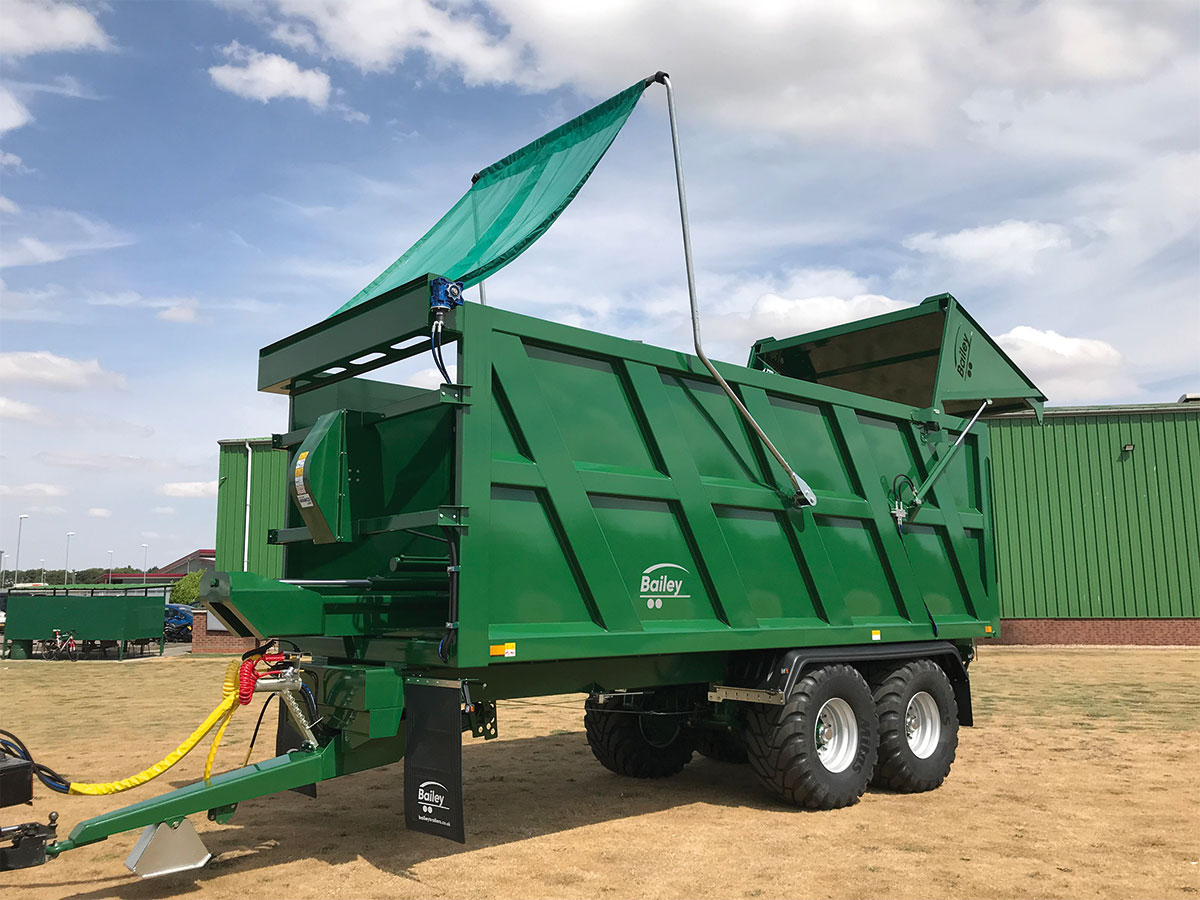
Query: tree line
point(78, 576)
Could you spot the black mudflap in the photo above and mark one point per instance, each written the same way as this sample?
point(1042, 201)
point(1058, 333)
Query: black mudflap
point(433, 761)
point(288, 738)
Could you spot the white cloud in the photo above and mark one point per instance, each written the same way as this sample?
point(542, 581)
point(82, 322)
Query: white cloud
point(40, 26)
point(45, 369)
point(13, 113)
point(62, 86)
point(1010, 245)
point(7, 206)
point(163, 511)
point(71, 459)
point(266, 76)
point(57, 234)
point(430, 378)
point(32, 489)
point(11, 161)
point(188, 489)
point(29, 251)
point(183, 311)
point(99, 512)
point(1069, 369)
point(783, 316)
point(22, 412)
point(868, 69)
point(30, 306)
point(47, 509)
point(375, 35)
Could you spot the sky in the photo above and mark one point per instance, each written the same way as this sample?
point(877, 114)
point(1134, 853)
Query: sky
point(182, 183)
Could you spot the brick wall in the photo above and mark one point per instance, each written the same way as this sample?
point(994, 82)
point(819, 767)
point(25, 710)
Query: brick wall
point(1100, 631)
point(205, 641)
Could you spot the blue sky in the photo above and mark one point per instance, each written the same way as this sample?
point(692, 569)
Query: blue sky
point(183, 183)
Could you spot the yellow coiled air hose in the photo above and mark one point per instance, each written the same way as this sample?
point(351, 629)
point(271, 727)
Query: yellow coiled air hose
point(222, 714)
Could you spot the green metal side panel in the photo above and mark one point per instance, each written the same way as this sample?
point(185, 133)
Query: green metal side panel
point(268, 504)
point(629, 511)
point(1085, 529)
point(34, 617)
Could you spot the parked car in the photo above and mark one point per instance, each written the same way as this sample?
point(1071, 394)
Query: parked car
point(177, 622)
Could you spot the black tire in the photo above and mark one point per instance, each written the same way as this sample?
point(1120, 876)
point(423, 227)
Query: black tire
point(722, 746)
point(899, 767)
point(48, 650)
point(646, 740)
point(782, 743)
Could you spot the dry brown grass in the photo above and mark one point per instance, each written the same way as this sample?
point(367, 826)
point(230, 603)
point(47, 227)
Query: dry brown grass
point(1079, 780)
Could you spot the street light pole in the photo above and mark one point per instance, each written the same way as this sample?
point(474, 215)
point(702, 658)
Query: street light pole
point(42, 579)
point(2, 555)
point(110, 553)
point(17, 563)
point(144, 555)
point(67, 561)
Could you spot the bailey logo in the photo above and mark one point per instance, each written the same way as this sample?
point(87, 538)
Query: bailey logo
point(658, 585)
point(962, 352)
point(431, 795)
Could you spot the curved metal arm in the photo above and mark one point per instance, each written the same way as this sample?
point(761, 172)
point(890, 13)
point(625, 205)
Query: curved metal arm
point(804, 495)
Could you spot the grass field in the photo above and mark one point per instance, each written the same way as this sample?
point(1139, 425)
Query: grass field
point(1079, 780)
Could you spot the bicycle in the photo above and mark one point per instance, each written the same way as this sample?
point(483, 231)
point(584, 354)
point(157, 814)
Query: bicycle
point(62, 646)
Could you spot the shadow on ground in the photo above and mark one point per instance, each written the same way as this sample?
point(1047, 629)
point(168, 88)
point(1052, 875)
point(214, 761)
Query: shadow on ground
point(514, 790)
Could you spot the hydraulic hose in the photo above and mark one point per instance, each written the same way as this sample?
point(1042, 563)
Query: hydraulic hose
point(221, 714)
point(237, 690)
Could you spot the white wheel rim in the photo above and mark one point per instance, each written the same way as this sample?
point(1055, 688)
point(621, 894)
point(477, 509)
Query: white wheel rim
point(836, 735)
point(922, 725)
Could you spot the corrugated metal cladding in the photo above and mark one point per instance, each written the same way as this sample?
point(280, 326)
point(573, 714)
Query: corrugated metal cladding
point(1088, 529)
point(268, 500)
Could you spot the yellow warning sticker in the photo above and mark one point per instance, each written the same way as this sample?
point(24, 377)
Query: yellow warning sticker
point(508, 650)
point(876, 636)
point(303, 456)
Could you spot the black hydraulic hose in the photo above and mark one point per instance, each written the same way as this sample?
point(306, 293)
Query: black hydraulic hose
point(257, 725)
point(13, 746)
point(435, 342)
point(258, 651)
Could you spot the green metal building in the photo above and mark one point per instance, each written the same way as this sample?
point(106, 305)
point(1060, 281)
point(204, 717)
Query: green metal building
point(251, 500)
point(1097, 517)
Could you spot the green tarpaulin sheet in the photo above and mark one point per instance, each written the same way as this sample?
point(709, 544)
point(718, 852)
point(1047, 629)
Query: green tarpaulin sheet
point(511, 203)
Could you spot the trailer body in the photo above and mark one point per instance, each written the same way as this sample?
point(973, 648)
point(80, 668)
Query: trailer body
point(588, 513)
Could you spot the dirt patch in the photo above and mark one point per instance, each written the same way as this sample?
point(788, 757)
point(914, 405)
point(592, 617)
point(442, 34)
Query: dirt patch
point(1079, 780)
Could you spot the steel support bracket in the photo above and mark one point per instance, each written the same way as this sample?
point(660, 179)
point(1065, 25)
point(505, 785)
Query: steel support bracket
point(719, 692)
point(222, 814)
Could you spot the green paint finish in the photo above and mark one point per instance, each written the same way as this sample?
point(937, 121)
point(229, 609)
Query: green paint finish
point(933, 355)
point(651, 549)
point(612, 503)
point(1086, 529)
point(33, 617)
point(776, 588)
point(545, 588)
point(266, 469)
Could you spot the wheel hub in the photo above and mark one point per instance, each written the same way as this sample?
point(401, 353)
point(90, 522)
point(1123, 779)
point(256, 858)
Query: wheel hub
point(922, 725)
point(836, 735)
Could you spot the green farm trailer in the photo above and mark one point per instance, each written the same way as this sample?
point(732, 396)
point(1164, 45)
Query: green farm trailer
point(785, 564)
point(105, 618)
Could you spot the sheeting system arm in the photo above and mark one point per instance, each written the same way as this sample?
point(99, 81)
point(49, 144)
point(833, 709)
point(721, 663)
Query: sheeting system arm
point(900, 512)
point(804, 495)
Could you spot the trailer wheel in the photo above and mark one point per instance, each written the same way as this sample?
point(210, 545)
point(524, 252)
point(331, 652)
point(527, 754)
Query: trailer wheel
point(649, 740)
point(722, 746)
point(817, 750)
point(918, 727)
